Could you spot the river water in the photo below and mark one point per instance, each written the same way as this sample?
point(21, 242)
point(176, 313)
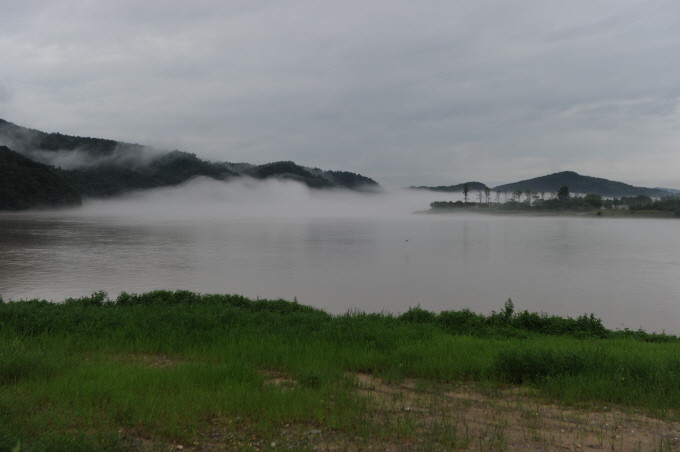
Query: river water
point(346, 252)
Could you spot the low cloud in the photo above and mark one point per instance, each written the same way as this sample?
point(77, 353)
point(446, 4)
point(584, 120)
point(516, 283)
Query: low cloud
point(245, 198)
point(82, 158)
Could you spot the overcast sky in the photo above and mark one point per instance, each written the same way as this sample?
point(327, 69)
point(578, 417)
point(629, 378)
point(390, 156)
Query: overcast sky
point(407, 92)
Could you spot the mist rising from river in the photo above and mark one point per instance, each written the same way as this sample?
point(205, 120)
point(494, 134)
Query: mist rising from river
point(205, 198)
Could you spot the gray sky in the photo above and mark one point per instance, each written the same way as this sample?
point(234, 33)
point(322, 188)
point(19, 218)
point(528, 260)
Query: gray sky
point(406, 92)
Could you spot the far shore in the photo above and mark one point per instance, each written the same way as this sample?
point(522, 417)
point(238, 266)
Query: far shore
point(608, 213)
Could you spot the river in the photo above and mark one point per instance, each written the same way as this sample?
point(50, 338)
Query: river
point(347, 252)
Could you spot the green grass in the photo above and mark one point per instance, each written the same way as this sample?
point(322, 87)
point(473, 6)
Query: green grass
point(162, 366)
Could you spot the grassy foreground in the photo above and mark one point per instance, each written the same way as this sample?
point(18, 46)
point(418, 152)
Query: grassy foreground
point(183, 371)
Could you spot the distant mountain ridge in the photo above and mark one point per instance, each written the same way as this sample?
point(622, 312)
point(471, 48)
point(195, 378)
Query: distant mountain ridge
point(577, 183)
point(671, 190)
point(96, 167)
point(472, 186)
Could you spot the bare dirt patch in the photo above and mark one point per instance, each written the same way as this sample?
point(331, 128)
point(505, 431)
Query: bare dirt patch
point(515, 418)
point(413, 415)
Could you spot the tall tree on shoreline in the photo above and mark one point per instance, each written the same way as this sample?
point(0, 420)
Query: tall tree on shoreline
point(563, 193)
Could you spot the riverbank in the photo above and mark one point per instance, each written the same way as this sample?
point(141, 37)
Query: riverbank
point(595, 213)
point(182, 371)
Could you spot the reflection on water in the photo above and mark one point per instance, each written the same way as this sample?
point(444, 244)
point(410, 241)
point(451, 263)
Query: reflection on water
point(626, 271)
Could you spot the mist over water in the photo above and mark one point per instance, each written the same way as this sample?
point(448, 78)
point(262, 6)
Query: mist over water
point(205, 198)
point(342, 250)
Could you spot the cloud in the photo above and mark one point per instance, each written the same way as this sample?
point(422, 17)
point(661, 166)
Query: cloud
point(125, 156)
point(408, 93)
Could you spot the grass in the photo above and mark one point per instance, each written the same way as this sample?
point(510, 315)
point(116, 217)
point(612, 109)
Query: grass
point(214, 372)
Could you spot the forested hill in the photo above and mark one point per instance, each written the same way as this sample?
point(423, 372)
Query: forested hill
point(96, 167)
point(579, 184)
point(25, 184)
point(471, 186)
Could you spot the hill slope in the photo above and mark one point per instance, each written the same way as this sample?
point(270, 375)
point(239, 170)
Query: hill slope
point(578, 183)
point(26, 184)
point(96, 167)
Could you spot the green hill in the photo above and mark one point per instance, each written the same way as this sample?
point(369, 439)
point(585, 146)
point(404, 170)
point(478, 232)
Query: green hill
point(578, 183)
point(39, 145)
point(99, 168)
point(173, 168)
point(25, 184)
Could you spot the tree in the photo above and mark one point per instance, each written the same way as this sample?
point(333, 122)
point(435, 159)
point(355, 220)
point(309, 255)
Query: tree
point(563, 193)
point(487, 193)
point(466, 190)
point(594, 200)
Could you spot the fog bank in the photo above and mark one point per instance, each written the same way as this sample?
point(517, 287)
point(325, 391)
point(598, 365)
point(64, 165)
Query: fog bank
point(249, 198)
point(123, 156)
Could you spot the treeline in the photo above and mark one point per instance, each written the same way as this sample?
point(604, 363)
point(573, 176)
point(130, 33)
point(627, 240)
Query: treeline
point(561, 200)
point(667, 204)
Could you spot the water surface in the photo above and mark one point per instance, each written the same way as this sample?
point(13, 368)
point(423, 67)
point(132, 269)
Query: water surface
point(625, 271)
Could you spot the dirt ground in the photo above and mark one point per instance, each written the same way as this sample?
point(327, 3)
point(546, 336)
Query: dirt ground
point(417, 416)
point(517, 419)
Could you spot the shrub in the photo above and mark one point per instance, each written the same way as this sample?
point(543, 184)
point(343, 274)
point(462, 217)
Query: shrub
point(418, 315)
point(532, 366)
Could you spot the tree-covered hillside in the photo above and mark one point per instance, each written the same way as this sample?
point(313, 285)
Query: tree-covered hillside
point(25, 184)
point(169, 169)
point(95, 167)
point(25, 140)
point(578, 183)
point(288, 170)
